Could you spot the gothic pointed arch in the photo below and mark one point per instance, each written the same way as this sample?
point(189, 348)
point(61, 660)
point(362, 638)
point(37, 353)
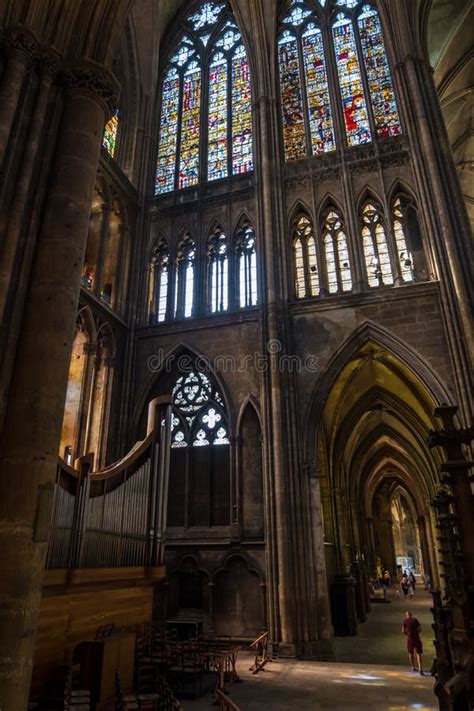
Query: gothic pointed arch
point(370, 335)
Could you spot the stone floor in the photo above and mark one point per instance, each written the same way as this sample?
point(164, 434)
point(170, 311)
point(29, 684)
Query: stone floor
point(370, 674)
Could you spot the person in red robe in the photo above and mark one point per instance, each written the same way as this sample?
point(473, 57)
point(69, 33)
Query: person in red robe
point(411, 629)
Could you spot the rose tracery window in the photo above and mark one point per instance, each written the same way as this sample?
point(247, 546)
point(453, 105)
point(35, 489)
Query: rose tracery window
point(347, 36)
point(206, 85)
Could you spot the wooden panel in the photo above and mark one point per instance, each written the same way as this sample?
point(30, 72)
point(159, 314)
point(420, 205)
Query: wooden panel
point(73, 617)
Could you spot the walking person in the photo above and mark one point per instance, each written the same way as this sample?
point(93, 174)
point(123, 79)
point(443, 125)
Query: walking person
point(411, 628)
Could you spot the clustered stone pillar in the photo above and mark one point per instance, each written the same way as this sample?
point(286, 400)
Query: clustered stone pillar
point(29, 442)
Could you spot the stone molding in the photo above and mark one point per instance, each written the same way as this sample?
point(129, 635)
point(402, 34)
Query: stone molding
point(50, 61)
point(91, 78)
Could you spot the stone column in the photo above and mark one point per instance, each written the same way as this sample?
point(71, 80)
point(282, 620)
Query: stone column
point(323, 605)
point(29, 443)
point(21, 46)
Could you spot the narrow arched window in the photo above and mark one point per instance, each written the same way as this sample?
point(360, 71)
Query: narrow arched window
point(159, 282)
point(205, 93)
point(109, 139)
point(184, 278)
point(342, 38)
point(336, 253)
point(374, 241)
point(218, 272)
point(305, 258)
point(404, 256)
point(247, 266)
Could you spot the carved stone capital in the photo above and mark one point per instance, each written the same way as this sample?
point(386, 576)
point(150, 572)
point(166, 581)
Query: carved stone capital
point(92, 78)
point(50, 61)
point(21, 42)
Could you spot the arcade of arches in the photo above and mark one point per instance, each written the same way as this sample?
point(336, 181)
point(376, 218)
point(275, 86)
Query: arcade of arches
point(236, 319)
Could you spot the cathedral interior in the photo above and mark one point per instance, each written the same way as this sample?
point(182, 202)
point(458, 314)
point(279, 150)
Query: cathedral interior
point(236, 277)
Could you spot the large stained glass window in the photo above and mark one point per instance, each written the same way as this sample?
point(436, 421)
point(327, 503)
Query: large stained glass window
point(382, 95)
point(349, 37)
point(350, 82)
point(206, 85)
point(109, 139)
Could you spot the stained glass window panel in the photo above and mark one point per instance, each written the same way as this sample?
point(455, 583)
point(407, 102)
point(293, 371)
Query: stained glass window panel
point(331, 270)
point(299, 270)
point(163, 294)
point(217, 147)
point(317, 91)
point(109, 139)
point(404, 256)
point(165, 172)
point(242, 149)
point(190, 125)
point(382, 94)
point(188, 290)
point(384, 257)
point(313, 267)
point(344, 264)
point(291, 98)
point(350, 83)
point(370, 258)
point(247, 268)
